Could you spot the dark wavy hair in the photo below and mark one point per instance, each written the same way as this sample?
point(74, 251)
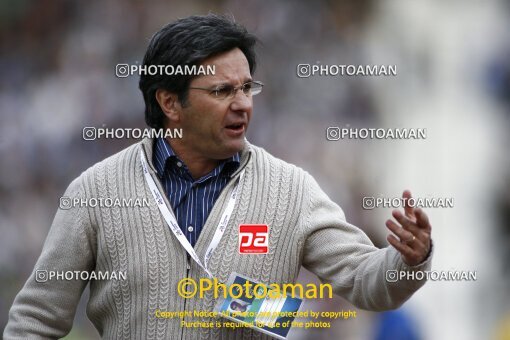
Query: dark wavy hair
point(189, 41)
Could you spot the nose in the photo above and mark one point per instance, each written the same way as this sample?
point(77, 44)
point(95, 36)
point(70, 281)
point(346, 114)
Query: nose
point(241, 102)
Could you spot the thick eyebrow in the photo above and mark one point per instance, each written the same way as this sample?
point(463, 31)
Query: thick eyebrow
point(247, 80)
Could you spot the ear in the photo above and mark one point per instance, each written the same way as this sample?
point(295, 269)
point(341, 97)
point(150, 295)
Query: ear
point(170, 105)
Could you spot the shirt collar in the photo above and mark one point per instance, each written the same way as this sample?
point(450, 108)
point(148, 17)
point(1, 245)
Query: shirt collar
point(163, 152)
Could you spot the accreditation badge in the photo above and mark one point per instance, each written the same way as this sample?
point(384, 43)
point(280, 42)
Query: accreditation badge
point(258, 306)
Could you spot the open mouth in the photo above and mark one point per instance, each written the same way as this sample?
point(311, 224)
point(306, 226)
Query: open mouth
point(235, 127)
point(235, 130)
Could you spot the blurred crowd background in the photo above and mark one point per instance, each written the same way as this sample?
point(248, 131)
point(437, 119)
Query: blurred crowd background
point(57, 66)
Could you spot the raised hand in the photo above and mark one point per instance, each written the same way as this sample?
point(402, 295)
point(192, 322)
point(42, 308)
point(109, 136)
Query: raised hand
point(413, 233)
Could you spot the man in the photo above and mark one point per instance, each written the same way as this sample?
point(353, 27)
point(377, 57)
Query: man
point(196, 176)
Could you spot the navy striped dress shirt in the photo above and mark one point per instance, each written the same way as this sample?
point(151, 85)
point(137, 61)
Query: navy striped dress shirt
point(191, 200)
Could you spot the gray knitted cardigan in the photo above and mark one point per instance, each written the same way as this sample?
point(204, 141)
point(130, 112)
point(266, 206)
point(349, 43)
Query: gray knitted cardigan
point(306, 229)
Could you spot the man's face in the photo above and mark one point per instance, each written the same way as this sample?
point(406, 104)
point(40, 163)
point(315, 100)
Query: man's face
point(215, 128)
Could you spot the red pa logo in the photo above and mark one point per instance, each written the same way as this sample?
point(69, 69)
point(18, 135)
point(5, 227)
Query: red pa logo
point(253, 238)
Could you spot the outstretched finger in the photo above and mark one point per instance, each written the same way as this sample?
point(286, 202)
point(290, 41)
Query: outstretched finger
point(402, 248)
point(409, 210)
point(422, 220)
point(403, 234)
